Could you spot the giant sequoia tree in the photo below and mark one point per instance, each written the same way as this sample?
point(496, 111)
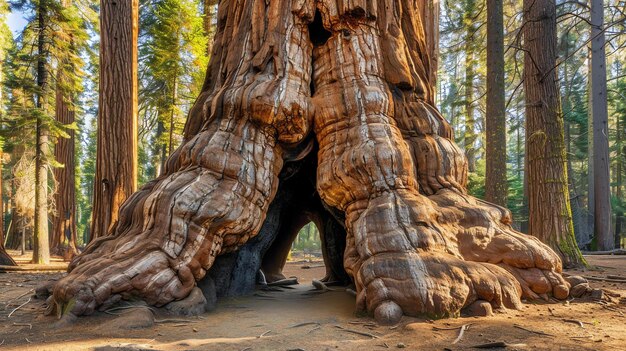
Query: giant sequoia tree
point(360, 132)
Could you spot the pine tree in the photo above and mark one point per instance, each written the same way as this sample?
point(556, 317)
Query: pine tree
point(175, 56)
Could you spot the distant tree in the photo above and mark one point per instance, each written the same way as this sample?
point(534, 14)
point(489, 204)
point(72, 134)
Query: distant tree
point(209, 8)
point(470, 37)
point(175, 57)
point(496, 178)
point(73, 39)
point(599, 108)
point(550, 214)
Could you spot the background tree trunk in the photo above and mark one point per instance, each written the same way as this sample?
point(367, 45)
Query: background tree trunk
point(601, 179)
point(430, 14)
point(64, 220)
point(5, 259)
point(470, 134)
point(41, 247)
point(550, 213)
point(116, 160)
point(208, 7)
point(496, 178)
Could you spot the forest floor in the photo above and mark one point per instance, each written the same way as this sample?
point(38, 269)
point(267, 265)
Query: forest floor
point(296, 319)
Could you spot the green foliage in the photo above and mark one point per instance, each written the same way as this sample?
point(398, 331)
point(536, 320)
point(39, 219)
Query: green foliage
point(308, 239)
point(173, 52)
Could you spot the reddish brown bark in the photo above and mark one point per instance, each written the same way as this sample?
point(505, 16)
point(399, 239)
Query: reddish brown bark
point(64, 219)
point(550, 217)
point(416, 242)
point(116, 161)
point(5, 259)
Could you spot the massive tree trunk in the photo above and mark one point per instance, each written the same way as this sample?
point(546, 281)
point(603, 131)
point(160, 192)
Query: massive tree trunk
point(496, 186)
point(385, 169)
point(41, 247)
point(601, 179)
point(116, 160)
point(64, 220)
point(548, 193)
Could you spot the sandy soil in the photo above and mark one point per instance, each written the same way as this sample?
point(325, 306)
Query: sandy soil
point(296, 319)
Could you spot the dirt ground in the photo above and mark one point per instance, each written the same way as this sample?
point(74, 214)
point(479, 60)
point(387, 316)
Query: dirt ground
point(296, 319)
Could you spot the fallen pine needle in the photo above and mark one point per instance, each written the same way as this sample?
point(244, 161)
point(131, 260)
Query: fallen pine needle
point(262, 335)
point(532, 331)
point(30, 342)
point(356, 332)
point(461, 333)
point(30, 326)
point(451, 328)
point(18, 307)
point(303, 324)
point(173, 321)
point(575, 321)
point(314, 329)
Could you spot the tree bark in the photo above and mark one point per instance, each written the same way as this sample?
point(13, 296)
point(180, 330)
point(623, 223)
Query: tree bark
point(601, 179)
point(116, 160)
point(41, 247)
point(5, 259)
point(548, 193)
point(496, 186)
point(350, 76)
point(64, 219)
point(430, 20)
point(470, 135)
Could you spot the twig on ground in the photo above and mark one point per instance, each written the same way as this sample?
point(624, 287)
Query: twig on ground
point(314, 329)
point(607, 280)
point(384, 345)
point(611, 252)
point(30, 326)
point(575, 321)
point(303, 324)
point(2, 343)
point(532, 331)
point(173, 321)
point(246, 349)
point(18, 307)
point(28, 341)
point(262, 335)
point(24, 294)
point(461, 333)
point(180, 325)
point(452, 328)
point(356, 332)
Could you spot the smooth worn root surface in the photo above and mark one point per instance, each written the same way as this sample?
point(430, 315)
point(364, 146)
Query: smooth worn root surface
point(416, 243)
